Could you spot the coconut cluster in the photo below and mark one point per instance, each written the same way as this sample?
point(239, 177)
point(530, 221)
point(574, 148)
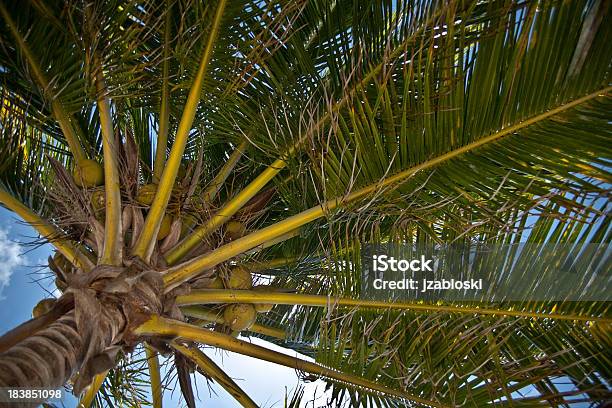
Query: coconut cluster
point(89, 198)
point(239, 316)
point(90, 174)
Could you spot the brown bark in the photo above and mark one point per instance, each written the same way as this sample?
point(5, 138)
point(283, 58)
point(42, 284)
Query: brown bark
point(25, 330)
point(51, 356)
point(46, 359)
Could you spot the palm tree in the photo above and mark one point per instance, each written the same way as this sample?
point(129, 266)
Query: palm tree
point(175, 153)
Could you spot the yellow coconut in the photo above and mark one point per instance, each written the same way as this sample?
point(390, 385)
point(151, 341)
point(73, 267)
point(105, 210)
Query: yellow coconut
point(164, 228)
point(239, 278)
point(239, 316)
point(235, 229)
point(98, 202)
point(146, 194)
point(88, 173)
point(43, 307)
point(263, 307)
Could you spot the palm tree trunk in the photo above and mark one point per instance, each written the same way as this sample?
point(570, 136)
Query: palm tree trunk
point(46, 359)
point(51, 356)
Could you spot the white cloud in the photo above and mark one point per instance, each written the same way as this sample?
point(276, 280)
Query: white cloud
point(10, 259)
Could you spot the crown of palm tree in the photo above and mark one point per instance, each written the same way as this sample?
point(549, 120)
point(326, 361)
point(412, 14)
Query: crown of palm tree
point(205, 169)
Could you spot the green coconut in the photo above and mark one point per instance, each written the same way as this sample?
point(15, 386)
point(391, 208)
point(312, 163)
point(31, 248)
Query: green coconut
point(146, 194)
point(164, 228)
point(43, 307)
point(263, 307)
point(239, 317)
point(235, 229)
point(239, 278)
point(88, 173)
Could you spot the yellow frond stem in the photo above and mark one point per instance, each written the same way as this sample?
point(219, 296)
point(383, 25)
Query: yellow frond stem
point(192, 268)
point(215, 296)
point(216, 373)
point(269, 264)
point(154, 374)
point(68, 131)
point(225, 213)
point(145, 244)
point(112, 251)
point(66, 248)
point(271, 242)
point(210, 316)
point(56, 107)
point(91, 391)
point(157, 326)
point(164, 110)
point(268, 331)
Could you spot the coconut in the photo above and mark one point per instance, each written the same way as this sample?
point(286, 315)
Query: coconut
point(146, 194)
point(88, 173)
point(263, 307)
point(239, 316)
point(98, 202)
point(43, 307)
point(235, 229)
point(240, 278)
point(164, 228)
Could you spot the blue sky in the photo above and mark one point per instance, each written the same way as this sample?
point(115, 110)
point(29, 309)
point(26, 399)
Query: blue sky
point(21, 268)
